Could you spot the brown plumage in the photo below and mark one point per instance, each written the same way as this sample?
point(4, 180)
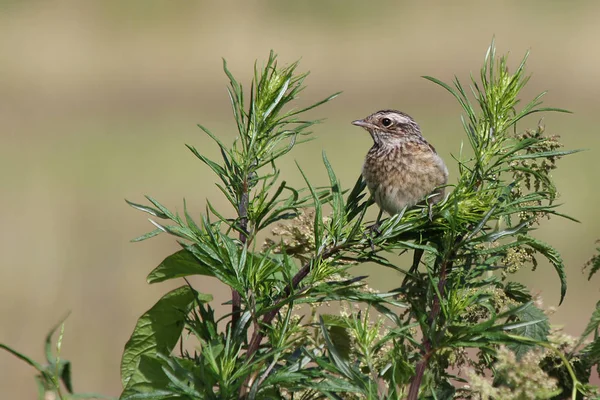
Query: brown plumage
point(401, 169)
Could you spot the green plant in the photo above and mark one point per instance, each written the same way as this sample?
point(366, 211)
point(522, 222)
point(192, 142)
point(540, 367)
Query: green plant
point(56, 371)
point(457, 326)
point(456, 295)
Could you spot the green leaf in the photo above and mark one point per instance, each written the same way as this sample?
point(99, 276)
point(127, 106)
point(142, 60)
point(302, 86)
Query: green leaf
point(318, 103)
point(149, 210)
point(88, 396)
point(217, 169)
point(157, 330)
point(65, 374)
point(537, 329)
point(591, 352)
point(318, 222)
point(48, 348)
point(593, 264)
point(341, 339)
point(592, 326)
point(517, 291)
point(337, 202)
point(339, 360)
point(545, 154)
point(190, 221)
point(442, 391)
point(39, 367)
point(339, 334)
point(216, 139)
point(555, 259)
point(148, 381)
point(148, 235)
point(335, 384)
point(162, 209)
point(175, 230)
point(181, 263)
point(464, 102)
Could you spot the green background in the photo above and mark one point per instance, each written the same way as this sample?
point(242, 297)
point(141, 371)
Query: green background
point(97, 99)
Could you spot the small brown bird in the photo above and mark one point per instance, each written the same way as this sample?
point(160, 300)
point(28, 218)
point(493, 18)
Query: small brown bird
point(401, 168)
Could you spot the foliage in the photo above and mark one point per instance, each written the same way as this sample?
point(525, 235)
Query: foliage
point(54, 372)
point(457, 314)
point(456, 294)
point(593, 263)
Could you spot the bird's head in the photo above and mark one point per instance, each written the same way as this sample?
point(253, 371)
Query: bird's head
point(388, 127)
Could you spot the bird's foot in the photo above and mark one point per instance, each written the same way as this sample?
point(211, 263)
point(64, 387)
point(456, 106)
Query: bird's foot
point(374, 228)
point(371, 231)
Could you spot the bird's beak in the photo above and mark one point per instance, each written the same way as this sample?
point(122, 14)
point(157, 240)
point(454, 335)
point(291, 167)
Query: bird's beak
point(362, 123)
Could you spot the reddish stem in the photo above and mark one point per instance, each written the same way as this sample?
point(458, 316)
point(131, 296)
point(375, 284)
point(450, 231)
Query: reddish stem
point(415, 384)
point(258, 335)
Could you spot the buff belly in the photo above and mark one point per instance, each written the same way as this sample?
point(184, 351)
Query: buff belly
point(400, 185)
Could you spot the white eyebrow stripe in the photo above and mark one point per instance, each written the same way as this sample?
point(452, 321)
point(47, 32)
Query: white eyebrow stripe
point(401, 119)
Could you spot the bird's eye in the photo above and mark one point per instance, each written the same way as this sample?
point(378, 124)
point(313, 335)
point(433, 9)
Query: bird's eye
point(386, 122)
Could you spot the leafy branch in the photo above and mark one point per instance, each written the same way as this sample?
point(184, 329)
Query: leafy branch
point(456, 292)
point(456, 308)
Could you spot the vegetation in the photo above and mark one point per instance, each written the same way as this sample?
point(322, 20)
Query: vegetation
point(457, 326)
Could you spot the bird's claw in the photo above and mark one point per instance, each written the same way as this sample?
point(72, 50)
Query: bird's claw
point(374, 228)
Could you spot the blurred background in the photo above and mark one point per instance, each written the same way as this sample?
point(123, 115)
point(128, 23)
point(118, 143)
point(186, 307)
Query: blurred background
point(98, 98)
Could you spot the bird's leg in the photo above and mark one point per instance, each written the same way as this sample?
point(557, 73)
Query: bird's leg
point(430, 210)
point(374, 228)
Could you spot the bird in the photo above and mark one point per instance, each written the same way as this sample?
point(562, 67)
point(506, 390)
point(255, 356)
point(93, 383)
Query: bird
point(401, 169)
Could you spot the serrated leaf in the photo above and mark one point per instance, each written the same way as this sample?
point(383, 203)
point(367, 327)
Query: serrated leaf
point(555, 259)
point(537, 331)
point(593, 264)
point(157, 330)
point(592, 325)
point(517, 291)
point(341, 339)
point(591, 352)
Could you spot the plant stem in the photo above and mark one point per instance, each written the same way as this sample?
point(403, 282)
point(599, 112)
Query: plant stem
point(415, 384)
point(413, 391)
point(258, 335)
point(236, 300)
point(268, 317)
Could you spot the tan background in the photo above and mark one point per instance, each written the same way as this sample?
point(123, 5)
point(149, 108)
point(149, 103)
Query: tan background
point(97, 99)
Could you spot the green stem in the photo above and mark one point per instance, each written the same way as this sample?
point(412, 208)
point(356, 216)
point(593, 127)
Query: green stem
point(567, 364)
